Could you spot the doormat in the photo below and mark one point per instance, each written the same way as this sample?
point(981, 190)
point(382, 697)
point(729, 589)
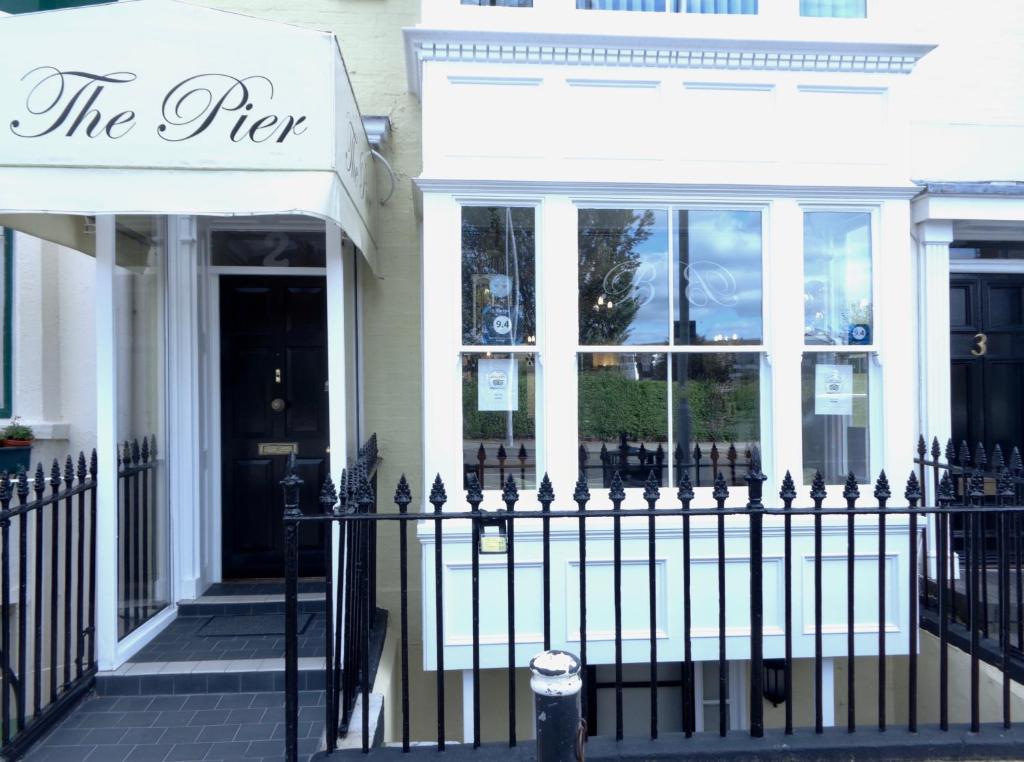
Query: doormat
point(224, 626)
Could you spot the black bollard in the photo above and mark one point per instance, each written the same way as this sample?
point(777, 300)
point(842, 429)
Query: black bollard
point(556, 688)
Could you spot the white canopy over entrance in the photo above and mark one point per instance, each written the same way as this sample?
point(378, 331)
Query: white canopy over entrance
point(162, 107)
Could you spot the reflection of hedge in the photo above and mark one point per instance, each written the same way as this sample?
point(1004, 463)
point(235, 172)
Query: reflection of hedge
point(720, 411)
point(610, 403)
point(494, 425)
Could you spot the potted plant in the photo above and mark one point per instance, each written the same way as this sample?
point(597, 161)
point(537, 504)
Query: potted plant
point(17, 434)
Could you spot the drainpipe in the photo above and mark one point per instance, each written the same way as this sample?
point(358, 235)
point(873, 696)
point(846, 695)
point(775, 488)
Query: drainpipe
point(556, 684)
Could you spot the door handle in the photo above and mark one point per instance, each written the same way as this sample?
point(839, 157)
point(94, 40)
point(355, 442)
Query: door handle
point(277, 375)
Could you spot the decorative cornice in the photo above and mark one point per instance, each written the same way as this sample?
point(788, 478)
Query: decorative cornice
point(669, 191)
point(424, 44)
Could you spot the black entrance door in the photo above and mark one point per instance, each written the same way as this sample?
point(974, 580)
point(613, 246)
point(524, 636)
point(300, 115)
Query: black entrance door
point(987, 353)
point(273, 400)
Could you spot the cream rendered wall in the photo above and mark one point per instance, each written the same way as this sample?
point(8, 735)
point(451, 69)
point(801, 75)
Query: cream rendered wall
point(53, 354)
point(967, 113)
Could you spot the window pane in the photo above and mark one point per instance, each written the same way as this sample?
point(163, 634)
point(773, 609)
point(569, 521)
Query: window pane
point(623, 416)
point(499, 419)
point(502, 3)
point(259, 248)
point(849, 9)
point(718, 6)
point(716, 406)
point(835, 416)
point(718, 278)
point(837, 278)
point(621, 5)
point(497, 275)
point(623, 278)
point(143, 521)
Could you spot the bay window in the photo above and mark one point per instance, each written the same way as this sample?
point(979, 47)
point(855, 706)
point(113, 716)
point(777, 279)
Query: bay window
point(653, 338)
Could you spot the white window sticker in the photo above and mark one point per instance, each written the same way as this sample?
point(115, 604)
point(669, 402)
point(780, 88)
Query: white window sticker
point(498, 385)
point(833, 390)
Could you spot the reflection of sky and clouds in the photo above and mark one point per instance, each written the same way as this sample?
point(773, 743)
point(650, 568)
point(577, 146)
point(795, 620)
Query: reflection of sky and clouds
point(719, 277)
point(837, 275)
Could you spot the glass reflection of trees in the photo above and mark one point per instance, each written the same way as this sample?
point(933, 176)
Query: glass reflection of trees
point(619, 302)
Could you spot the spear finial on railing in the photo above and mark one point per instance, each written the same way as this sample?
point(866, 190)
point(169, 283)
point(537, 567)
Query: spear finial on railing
point(685, 492)
point(818, 493)
point(913, 490)
point(328, 495)
point(39, 481)
point(581, 494)
point(509, 493)
point(82, 469)
point(69, 471)
point(755, 480)
point(651, 492)
point(546, 493)
point(936, 449)
point(851, 491)
point(721, 490)
point(438, 497)
point(950, 452)
point(474, 494)
point(616, 492)
point(945, 494)
point(1015, 463)
point(23, 484)
point(882, 491)
point(1004, 487)
point(965, 454)
point(582, 456)
point(55, 475)
point(364, 494)
point(980, 458)
point(93, 465)
point(5, 488)
point(922, 447)
point(997, 458)
point(403, 494)
point(787, 493)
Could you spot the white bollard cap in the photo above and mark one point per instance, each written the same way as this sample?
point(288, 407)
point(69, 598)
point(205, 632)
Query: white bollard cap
point(555, 673)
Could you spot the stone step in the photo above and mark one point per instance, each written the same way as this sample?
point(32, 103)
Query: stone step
point(240, 676)
point(221, 605)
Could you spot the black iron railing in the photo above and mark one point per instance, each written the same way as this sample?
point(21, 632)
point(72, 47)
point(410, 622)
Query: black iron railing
point(139, 534)
point(863, 519)
point(47, 635)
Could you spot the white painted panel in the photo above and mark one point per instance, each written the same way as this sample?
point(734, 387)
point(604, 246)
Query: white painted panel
point(840, 125)
point(612, 119)
point(491, 116)
point(458, 615)
point(635, 599)
point(721, 121)
point(865, 585)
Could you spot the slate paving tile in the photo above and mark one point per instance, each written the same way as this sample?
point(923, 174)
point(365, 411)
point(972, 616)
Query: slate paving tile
point(69, 736)
point(133, 704)
point(218, 733)
point(240, 716)
point(108, 754)
point(188, 752)
point(173, 719)
point(104, 736)
point(236, 701)
point(201, 701)
point(167, 703)
point(210, 717)
point(232, 750)
point(255, 731)
point(147, 753)
point(181, 734)
point(137, 719)
point(142, 735)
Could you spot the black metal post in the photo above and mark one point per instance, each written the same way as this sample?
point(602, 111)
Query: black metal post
point(403, 496)
point(651, 496)
point(438, 498)
point(617, 494)
point(510, 495)
point(882, 495)
point(818, 495)
point(913, 496)
point(720, 493)
point(292, 511)
point(556, 686)
point(755, 483)
point(850, 494)
point(685, 496)
point(581, 496)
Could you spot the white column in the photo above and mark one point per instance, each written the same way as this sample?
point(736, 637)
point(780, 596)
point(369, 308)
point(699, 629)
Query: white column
point(106, 447)
point(467, 706)
point(184, 436)
point(337, 398)
point(933, 239)
point(828, 693)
